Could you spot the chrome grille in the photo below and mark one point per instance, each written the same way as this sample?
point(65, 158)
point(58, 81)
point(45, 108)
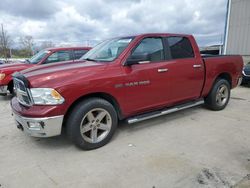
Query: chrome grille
point(22, 93)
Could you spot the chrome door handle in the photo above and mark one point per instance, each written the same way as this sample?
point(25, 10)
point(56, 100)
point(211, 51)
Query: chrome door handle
point(197, 66)
point(162, 70)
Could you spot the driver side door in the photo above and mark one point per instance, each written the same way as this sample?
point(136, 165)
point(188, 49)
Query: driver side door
point(145, 81)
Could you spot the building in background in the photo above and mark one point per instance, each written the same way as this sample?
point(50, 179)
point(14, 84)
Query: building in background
point(237, 31)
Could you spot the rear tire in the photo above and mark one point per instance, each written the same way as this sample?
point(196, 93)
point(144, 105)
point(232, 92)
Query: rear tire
point(92, 123)
point(219, 96)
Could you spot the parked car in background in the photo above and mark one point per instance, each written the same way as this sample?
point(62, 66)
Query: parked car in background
point(246, 74)
point(46, 56)
point(133, 78)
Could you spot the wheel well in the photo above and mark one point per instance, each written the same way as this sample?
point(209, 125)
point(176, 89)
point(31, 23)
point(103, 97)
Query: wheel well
point(225, 76)
point(104, 96)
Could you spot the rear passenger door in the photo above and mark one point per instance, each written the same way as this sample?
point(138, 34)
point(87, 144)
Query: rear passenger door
point(185, 74)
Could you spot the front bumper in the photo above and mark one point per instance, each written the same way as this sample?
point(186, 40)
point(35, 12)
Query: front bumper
point(3, 90)
point(40, 127)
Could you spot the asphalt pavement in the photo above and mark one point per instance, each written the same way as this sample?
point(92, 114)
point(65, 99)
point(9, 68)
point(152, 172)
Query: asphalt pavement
point(191, 148)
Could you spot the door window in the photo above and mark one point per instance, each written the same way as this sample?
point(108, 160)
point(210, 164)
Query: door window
point(79, 53)
point(180, 47)
point(59, 56)
point(151, 49)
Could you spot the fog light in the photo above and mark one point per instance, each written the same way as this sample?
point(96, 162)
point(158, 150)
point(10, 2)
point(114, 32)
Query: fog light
point(35, 126)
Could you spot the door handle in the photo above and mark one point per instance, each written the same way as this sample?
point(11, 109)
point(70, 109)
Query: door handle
point(197, 66)
point(162, 70)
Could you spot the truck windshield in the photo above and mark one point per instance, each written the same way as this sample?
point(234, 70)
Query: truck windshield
point(108, 50)
point(38, 57)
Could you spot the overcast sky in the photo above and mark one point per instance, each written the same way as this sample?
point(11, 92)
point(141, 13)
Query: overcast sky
point(76, 21)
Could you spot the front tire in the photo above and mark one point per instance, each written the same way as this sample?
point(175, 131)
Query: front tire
point(219, 96)
point(92, 123)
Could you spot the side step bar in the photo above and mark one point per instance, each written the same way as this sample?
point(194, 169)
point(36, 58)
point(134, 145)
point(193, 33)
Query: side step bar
point(164, 111)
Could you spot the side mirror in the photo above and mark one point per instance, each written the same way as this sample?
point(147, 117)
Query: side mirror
point(137, 59)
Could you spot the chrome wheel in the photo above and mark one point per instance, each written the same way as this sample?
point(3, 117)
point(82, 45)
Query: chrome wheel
point(222, 95)
point(95, 125)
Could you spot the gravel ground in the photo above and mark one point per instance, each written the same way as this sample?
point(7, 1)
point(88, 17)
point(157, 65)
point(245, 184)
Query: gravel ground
point(191, 148)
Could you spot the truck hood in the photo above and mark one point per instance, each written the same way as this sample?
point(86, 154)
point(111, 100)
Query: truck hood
point(10, 68)
point(47, 66)
point(60, 73)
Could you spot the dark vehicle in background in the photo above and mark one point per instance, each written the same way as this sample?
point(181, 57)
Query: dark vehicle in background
point(46, 56)
point(246, 74)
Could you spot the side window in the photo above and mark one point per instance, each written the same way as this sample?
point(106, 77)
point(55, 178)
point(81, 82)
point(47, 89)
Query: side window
point(150, 48)
point(79, 53)
point(180, 47)
point(59, 56)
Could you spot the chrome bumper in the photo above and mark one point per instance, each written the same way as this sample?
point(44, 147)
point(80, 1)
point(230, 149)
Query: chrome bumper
point(40, 127)
point(3, 90)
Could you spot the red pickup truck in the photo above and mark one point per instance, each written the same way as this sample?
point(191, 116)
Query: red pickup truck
point(47, 56)
point(133, 78)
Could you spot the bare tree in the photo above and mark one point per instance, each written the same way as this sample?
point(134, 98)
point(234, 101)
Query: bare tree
point(5, 42)
point(28, 43)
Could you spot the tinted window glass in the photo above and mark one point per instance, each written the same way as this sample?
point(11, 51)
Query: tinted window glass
point(180, 47)
point(151, 47)
point(79, 53)
point(59, 56)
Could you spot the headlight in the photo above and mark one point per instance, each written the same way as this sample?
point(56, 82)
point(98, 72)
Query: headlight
point(46, 96)
point(2, 76)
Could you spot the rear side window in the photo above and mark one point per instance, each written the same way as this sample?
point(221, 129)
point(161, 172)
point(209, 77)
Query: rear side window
point(152, 47)
point(79, 53)
point(180, 47)
point(59, 56)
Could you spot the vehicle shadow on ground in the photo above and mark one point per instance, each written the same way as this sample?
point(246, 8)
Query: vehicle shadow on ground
point(6, 98)
point(246, 85)
point(62, 141)
point(158, 121)
point(52, 143)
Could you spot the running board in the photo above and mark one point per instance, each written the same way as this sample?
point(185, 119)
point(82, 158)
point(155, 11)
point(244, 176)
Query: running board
point(164, 111)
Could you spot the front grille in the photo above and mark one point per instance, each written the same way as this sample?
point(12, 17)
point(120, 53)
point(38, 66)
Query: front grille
point(22, 93)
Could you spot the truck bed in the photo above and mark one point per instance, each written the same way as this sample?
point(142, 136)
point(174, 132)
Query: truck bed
point(230, 65)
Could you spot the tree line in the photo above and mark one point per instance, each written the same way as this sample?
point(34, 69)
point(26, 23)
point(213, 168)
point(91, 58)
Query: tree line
point(25, 47)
